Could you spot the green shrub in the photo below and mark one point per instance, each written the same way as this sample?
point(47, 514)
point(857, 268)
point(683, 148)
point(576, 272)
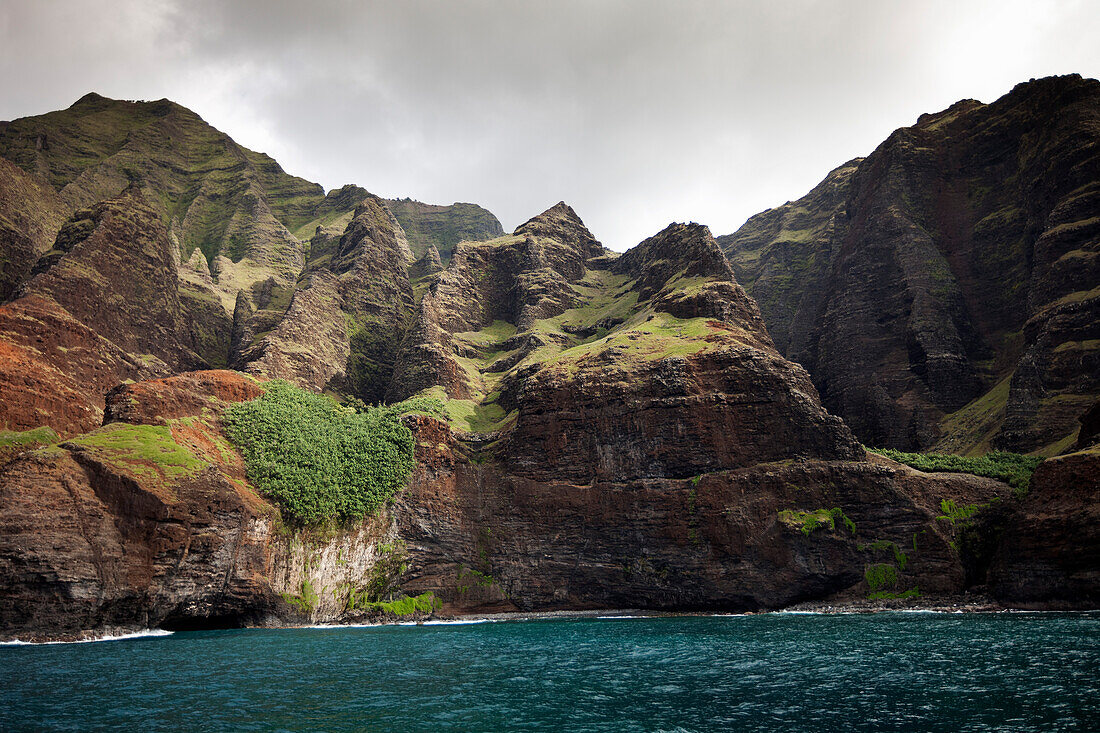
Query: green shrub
point(955, 513)
point(318, 461)
point(880, 576)
point(885, 594)
point(305, 601)
point(403, 606)
point(807, 522)
point(1012, 468)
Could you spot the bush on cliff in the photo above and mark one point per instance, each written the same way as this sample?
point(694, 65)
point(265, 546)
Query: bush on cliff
point(318, 460)
point(1012, 468)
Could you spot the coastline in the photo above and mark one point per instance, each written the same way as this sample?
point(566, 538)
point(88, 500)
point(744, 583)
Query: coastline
point(944, 605)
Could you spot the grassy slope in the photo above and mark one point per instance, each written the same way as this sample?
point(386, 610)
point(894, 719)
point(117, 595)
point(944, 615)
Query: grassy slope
point(607, 316)
point(1012, 468)
point(197, 175)
point(443, 226)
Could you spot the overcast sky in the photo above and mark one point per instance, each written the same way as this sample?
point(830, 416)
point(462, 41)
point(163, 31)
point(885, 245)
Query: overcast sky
point(637, 113)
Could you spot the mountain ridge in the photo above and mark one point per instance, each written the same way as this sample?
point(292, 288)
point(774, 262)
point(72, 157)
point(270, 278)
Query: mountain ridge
point(940, 290)
point(590, 429)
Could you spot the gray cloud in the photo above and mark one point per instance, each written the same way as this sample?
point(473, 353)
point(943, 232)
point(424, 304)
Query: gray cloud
point(638, 113)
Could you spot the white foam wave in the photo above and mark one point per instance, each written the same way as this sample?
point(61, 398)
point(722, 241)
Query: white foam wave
point(338, 626)
point(431, 622)
point(108, 637)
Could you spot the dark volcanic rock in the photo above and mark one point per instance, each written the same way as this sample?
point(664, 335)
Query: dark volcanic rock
point(619, 411)
point(429, 264)
point(151, 522)
point(95, 536)
point(729, 407)
point(482, 538)
point(1090, 427)
point(621, 430)
point(112, 268)
point(943, 290)
point(784, 258)
point(518, 279)
point(158, 401)
point(1049, 556)
point(684, 273)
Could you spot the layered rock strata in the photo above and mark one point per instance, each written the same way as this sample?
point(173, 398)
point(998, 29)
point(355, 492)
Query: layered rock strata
point(943, 291)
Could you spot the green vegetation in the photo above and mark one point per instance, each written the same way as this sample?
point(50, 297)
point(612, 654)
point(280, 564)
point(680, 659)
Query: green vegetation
point(319, 461)
point(970, 429)
point(899, 555)
point(386, 574)
point(1012, 468)
point(191, 173)
point(880, 576)
point(10, 439)
point(648, 336)
point(913, 592)
point(807, 522)
point(142, 449)
point(403, 606)
point(955, 513)
point(370, 361)
point(472, 577)
point(382, 584)
point(883, 577)
point(306, 600)
point(443, 226)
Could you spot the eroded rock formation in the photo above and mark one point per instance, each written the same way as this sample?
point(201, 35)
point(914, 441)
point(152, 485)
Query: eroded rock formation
point(942, 291)
point(617, 430)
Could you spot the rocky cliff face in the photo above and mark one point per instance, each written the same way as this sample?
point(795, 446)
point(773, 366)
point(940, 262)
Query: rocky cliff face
point(150, 521)
point(274, 275)
point(102, 306)
point(784, 258)
point(128, 526)
point(30, 215)
point(234, 205)
point(345, 320)
point(442, 227)
point(942, 291)
point(483, 538)
point(1049, 550)
point(618, 430)
point(623, 432)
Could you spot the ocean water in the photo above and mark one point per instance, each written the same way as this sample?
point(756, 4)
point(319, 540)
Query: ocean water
point(775, 672)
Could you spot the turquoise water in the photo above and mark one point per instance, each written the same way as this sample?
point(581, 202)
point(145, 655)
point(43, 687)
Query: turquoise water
point(891, 671)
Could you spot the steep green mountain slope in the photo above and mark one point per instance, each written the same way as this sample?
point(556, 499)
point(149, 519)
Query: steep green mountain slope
point(232, 204)
point(254, 243)
point(443, 226)
point(944, 291)
point(30, 215)
point(612, 430)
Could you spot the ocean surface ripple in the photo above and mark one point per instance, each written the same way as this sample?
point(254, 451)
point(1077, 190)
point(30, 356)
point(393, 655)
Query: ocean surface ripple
point(776, 672)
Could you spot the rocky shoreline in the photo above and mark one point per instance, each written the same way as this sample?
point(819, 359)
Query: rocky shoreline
point(966, 604)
